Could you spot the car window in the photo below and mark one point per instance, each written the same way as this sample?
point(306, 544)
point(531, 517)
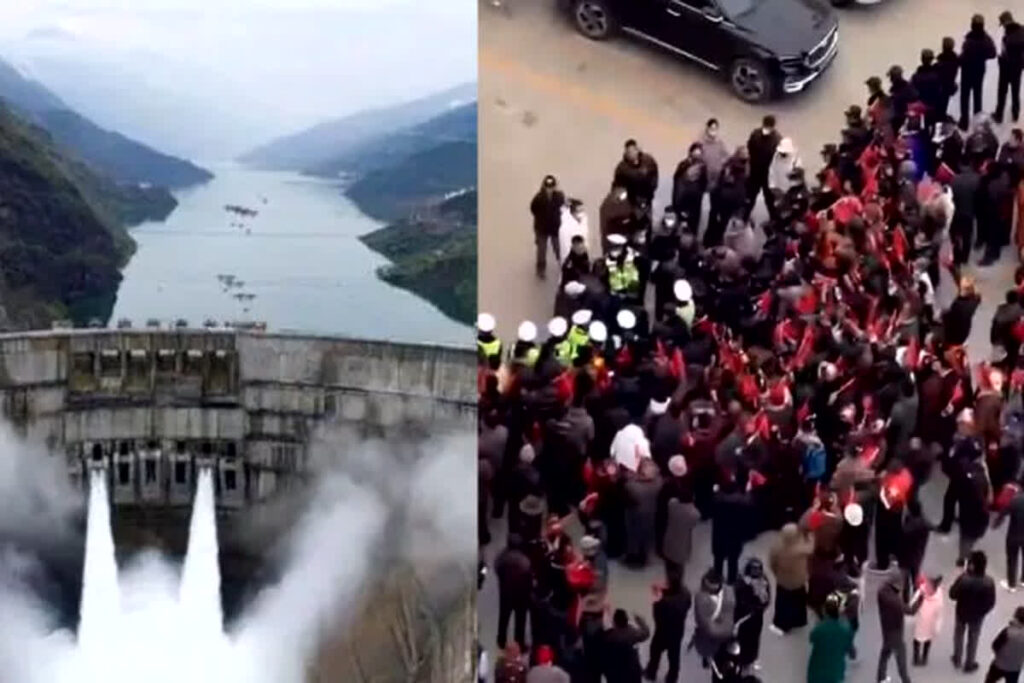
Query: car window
point(737, 8)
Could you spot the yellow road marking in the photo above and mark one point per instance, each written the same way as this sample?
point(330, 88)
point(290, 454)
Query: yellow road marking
point(578, 95)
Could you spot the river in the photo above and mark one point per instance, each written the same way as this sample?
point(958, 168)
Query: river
point(300, 258)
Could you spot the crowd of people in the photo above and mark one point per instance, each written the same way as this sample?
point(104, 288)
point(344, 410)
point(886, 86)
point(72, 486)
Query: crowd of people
point(799, 375)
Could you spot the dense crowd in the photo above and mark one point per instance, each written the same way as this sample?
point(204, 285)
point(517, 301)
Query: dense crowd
point(799, 375)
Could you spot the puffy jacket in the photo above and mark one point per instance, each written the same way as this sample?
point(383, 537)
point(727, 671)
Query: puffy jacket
point(892, 609)
point(1009, 648)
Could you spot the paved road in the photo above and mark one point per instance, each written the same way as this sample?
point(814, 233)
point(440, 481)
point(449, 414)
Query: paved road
point(554, 102)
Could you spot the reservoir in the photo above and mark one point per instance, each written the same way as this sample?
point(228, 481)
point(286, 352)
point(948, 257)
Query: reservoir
point(297, 265)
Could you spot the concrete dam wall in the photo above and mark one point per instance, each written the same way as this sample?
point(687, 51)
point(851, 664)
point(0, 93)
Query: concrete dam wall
point(150, 404)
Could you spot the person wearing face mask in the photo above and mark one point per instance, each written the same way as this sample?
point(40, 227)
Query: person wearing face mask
point(619, 270)
point(728, 197)
point(689, 184)
point(762, 145)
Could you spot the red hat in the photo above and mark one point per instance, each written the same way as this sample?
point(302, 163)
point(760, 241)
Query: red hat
point(917, 108)
point(778, 396)
point(545, 655)
point(944, 174)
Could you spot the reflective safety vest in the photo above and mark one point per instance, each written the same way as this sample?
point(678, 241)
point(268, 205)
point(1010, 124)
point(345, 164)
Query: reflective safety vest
point(488, 349)
point(527, 358)
point(686, 314)
point(577, 338)
point(623, 278)
point(564, 351)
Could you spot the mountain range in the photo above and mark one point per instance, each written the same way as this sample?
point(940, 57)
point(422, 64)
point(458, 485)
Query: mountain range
point(120, 158)
point(318, 147)
point(62, 230)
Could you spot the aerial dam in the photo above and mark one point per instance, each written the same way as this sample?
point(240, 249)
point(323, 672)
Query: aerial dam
point(152, 407)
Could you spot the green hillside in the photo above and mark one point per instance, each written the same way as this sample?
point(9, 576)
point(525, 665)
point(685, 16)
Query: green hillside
point(433, 254)
point(62, 239)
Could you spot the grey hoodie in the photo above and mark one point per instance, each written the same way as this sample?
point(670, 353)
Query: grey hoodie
point(1009, 648)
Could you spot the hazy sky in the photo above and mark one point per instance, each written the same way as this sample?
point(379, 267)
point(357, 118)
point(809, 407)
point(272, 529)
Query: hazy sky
point(210, 78)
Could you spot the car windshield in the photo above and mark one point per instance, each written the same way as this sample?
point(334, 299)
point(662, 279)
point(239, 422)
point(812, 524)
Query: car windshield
point(737, 8)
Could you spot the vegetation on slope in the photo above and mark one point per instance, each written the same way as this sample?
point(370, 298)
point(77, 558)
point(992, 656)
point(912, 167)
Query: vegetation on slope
point(433, 254)
point(61, 244)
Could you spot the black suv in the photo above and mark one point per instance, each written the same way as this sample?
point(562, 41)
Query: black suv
point(764, 47)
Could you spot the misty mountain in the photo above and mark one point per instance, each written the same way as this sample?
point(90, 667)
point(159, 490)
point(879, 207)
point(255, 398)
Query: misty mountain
point(331, 140)
point(121, 158)
point(62, 234)
point(456, 125)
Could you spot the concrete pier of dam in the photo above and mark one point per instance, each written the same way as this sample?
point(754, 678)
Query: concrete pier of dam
point(151, 404)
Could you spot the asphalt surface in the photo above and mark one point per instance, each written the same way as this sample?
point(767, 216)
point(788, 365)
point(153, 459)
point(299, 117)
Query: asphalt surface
point(552, 101)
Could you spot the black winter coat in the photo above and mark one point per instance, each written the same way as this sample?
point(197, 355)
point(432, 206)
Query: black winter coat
point(730, 523)
point(547, 212)
point(975, 596)
point(977, 49)
point(762, 150)
point(670, 615)
point(639, 179)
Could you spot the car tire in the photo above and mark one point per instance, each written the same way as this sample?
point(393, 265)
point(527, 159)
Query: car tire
point(750, 80)
point(842, 3)
point(594, 19)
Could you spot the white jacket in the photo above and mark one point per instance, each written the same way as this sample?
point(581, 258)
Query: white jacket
point(571, 227)
point(779, 170)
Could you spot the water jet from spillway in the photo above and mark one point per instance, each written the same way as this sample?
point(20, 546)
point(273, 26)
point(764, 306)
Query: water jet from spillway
point(101, 603)
point(200, 577)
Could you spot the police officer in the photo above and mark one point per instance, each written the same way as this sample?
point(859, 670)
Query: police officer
point(621, 272)
point(525, 350)
point(578, 336)
point(488, 346)
point(558, 329)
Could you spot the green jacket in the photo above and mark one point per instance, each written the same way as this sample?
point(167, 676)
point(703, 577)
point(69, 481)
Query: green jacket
point(830, 642)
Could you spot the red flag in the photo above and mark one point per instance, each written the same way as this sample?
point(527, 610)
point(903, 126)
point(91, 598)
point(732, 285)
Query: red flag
point(677, 365)
point(806, 348)
point(899, 244)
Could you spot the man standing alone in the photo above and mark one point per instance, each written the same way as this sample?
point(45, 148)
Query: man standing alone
point(975, 596)
point(1011, 65)
point(892, 611)
point(1009, 650)
point(762, 145)
point(978, 48)
point(546, 208)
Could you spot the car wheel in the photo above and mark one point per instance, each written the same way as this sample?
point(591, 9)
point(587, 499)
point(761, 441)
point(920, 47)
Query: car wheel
point(842, 3)
point(593, 19)
point(750, 80)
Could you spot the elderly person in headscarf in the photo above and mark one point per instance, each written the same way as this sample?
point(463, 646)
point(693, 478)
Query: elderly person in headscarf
point(785, 161)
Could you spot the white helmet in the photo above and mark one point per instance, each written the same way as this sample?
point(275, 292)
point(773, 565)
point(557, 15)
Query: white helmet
point(557, 326)
point(527, 331)
point(853, 514)
point(617, 240)
point(582, 317)
point(683, 291)
point(598, 332)
point(574, 288)
point(626, 319)
point(485, 323)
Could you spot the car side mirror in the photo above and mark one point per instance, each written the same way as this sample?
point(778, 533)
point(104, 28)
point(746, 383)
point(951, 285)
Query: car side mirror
point(712, 14)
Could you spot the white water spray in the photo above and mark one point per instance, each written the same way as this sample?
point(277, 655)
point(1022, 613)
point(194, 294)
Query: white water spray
point(100, 606)
point(200, 577)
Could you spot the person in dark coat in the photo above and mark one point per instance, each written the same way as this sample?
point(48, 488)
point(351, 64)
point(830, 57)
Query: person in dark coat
point(965, 186)
point(621, 659)
point(714, 612)
point(902, 94)
point(975, 595)
point(995, 219)
point(730, 524)
point(515, 589)
point(1014, 511)
point(761, 145)
point(753, 593)
point(977, 49)
point(641, 490)
point(1011, 65)
point(638, 174)
point(728, 197)
point(689, 184)
point(974, 496)
point(956, 321)
point(546, 208)
point(916, 530)
point(947, 63)
point(671, 606)
point(1008, 647)
point(927, 81)
point(892, 611)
